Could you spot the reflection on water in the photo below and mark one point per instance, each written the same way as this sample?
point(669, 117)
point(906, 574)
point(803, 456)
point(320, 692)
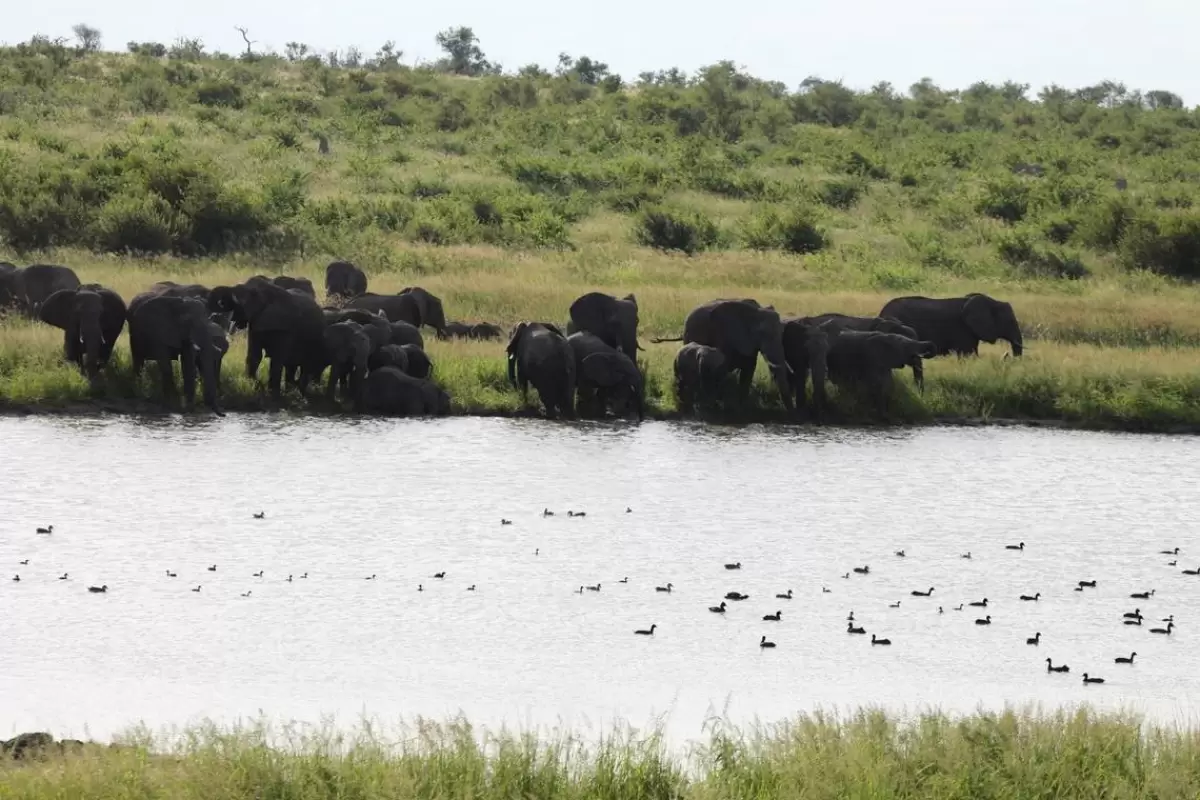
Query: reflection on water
point(406, 499)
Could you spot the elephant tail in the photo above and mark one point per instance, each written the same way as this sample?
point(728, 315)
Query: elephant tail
point(660, 341)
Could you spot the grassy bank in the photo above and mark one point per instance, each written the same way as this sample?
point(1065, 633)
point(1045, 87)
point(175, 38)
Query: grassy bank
point(510, 194)
point(868, 755)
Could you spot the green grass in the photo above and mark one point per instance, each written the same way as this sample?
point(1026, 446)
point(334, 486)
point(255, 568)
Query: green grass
point(510, 195)
point(869, 754)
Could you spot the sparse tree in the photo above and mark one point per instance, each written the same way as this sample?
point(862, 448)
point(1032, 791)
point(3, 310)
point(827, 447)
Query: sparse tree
point(1160, 98)
point(352, 58)
point(463, 54)
point(295, 51)
point(387, 57)
point(88, 37)
point(246, 38)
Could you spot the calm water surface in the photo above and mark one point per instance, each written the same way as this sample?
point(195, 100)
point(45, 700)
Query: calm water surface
point(406, 499)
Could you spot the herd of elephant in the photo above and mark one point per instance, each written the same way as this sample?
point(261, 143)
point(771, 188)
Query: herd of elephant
point(372, 346)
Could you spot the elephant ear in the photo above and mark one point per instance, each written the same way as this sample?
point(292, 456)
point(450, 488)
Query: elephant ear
point(58, 309)
point(977, 314)
point(515, 338)
point(733, 326)
point(630, 297)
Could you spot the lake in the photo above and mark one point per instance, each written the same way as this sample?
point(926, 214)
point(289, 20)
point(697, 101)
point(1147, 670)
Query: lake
point(403, 500)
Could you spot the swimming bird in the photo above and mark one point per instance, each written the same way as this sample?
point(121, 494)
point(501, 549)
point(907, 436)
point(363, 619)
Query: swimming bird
point(595, 588)
point(16, 578)
point(1134, 621)
point(851, 629)
point(1087, 584)
point(985, 621)
point(289, 580)
point(879, 641)
point(826, 590)
point(628, 510)
point(1172, 563)
point(547, 512)
point(1079, 588)
point(851, 617)
point(26, 561)
point(1123, 660)
point(504, 521)
point(941, 610)
point(1033, 598)
point(1172, 552)
point(1192, 571)
point(98, 589)
point(1166, 630)
point(370, 577)
point(247, 593)
point(213, 568)
point(847, 575)
point(649, 632)
point(979, 603)
point(776, 617)
point(1135, 614)
point(894, 605)
point(959, 607)
point(1036, 639)
point(439, 575)
point(718, 609)
point(1142, 595)
point(1086, 679)
point(1061, 668)
point(787, 596)
point(916, 593)
point(172, 574)
point(258, 574)
point(471, 588)
point(900, 553)
point(737, 596)
point(577, 514)
point(305, 575)
point(64, 576)
point(580, 590)
point(260, 515)
point(764, 643)
point(196, 589)
point(47, 529)
point(624, 580)
point(737, 565)
point(666, 588)
point(420, 586)
point(537, 550)
point(1169, 619)
point(1020, 546)
point(862, 570)
point(966, 554)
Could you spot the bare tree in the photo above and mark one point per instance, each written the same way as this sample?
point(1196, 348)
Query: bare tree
point(89, 37)
point(246, 38)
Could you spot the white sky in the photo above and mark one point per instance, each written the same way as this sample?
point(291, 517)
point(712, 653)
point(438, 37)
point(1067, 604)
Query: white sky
point(1146, 45)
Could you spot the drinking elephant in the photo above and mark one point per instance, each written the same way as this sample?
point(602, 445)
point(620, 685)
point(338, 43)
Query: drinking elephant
point(840, 322)
point(285, 324)
point(91, 318)
point(613, 319)
point(700, 372)
point(163, 328)
point(864, 360)
point(390, 391)
point(806, 348)
point(28, 287)
point(347, 351)
point(390, 355)
point(419, 364)
point(604, 377)
point(343, 280)
point(538, 353)
point(958, 324)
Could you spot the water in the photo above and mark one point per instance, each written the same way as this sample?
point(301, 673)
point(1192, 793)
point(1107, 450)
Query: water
point(406, 499)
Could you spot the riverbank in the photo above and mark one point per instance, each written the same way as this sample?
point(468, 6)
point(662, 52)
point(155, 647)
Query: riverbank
point(868, 754)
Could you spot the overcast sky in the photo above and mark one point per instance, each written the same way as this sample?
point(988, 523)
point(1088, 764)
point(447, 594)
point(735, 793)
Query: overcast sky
point(1147, 45)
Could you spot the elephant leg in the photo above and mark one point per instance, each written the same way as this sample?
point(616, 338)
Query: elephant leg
point(166, 373)
point(331, 384)
point(187, 364)
point(548, 402)
point(274, 377)
point(254, 354)
point(918, 371)
point(745, 380)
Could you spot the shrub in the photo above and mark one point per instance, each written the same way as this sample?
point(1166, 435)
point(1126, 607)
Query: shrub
point(1103, 225)
point(794, 230)
point(151, 96)
point(143, 223)
point(840, 194)
point(686, 230)
point(219, 92)
point(1006, 200)
point(1166, 243)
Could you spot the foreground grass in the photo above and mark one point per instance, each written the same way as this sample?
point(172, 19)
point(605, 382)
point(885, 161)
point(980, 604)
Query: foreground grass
point(867, 755)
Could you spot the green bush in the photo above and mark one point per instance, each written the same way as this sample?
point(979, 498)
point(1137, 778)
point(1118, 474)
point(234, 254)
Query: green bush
point(217, 92)
point(794, 230)
point(1163, 242)
point(1103, 225)
point(135, 224)
point(685, 230)
point(842, 194)
point(1005, 199)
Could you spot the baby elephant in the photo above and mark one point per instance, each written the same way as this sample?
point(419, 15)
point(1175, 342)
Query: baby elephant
point(391, 392)
point(700, 371)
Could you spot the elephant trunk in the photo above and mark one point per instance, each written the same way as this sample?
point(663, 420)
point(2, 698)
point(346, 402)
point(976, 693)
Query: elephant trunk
point(210, 358)
point(92, 337)
point(1018, 346)
point(781, 372)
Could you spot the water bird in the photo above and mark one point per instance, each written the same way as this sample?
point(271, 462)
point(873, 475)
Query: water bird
point(1031, 598)
point(576, 513)
point(16, 578)
point(1087, 584)
point(196, 589)
point(979, 603)
point(213, 568)
point(1134, 621)
point(547, 512)
point(941, 610)
point(847, 575)
point(738, 565)
point(1123, 660)
point(718, 609)
point(647, 632)
point(764, 643)
point(370, 577)
point(305, 575)
point(966, 554)
point(471, 588)
point(1135, 614)
point(985, 621)
point(1035, 639)
point(595, 588)
point(1020, 546)
point(1060, 668)
point(894, 605)
point(537, 550)
point(64, 576)
point(439, 575)
point(959, 607)
point(1169, 619)
point(580, 590)
point(862, 570)
point(1086, 679)
point(258, 574)
point(420, 586)
point(916, 593)
point(289, 580)
point(1079, 588)
point(1192, 571)
point(1142, 595)
point(1166, 630)
point(851, 617)
point(98, 589)
point(172, 574)
point(900, 553)
point(737, 596)
point(1172, 552)
point(879, 641)
point(825, 590)
point(47, 529)
point(851, 629)
point(247, 593)
point(666, 588)
point(776, 617)
point(628, 510)
point(1172, 563)
point(505, 521)
point(26, 561)
point(787, 596)
point(260, 515)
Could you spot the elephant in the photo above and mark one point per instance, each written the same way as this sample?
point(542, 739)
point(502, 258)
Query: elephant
point(388, 390)
point(163, 328)
point(390, 355)
point(958, 324)
point(28, 287)
point(396, 307)
point(347, 350)
point(8, 296)
point(285, 324)
point(419, 364)
point(613, 319)
point(839, 322)
point(538, 353)
point(604, 376)
point(700, 372)
point(741, 329)
point(864, 360)
point(806, 348)
point(344, 280)
point(91, 318)
point(376, 326)
point(27, 745)
point(455, 330)
point(299, 284)
point(486, 330)
point(407, 333)
point(429, 306)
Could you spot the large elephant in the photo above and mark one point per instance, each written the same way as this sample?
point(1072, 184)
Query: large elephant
point(27, 288)
point(91, 318)
point(613, 319)
point(285, 324)
point(958, 324)
point(605, 377)
point(407, 333)
point(806, 348)
point(429, 308)
point(538, 353)
point(700, 372)
point(163, 328)
point(390, 391)
point(396, 307)
point(844, 322)
point(741, 329)
point(343, 280)
point(347, 350)
point(864, 360)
